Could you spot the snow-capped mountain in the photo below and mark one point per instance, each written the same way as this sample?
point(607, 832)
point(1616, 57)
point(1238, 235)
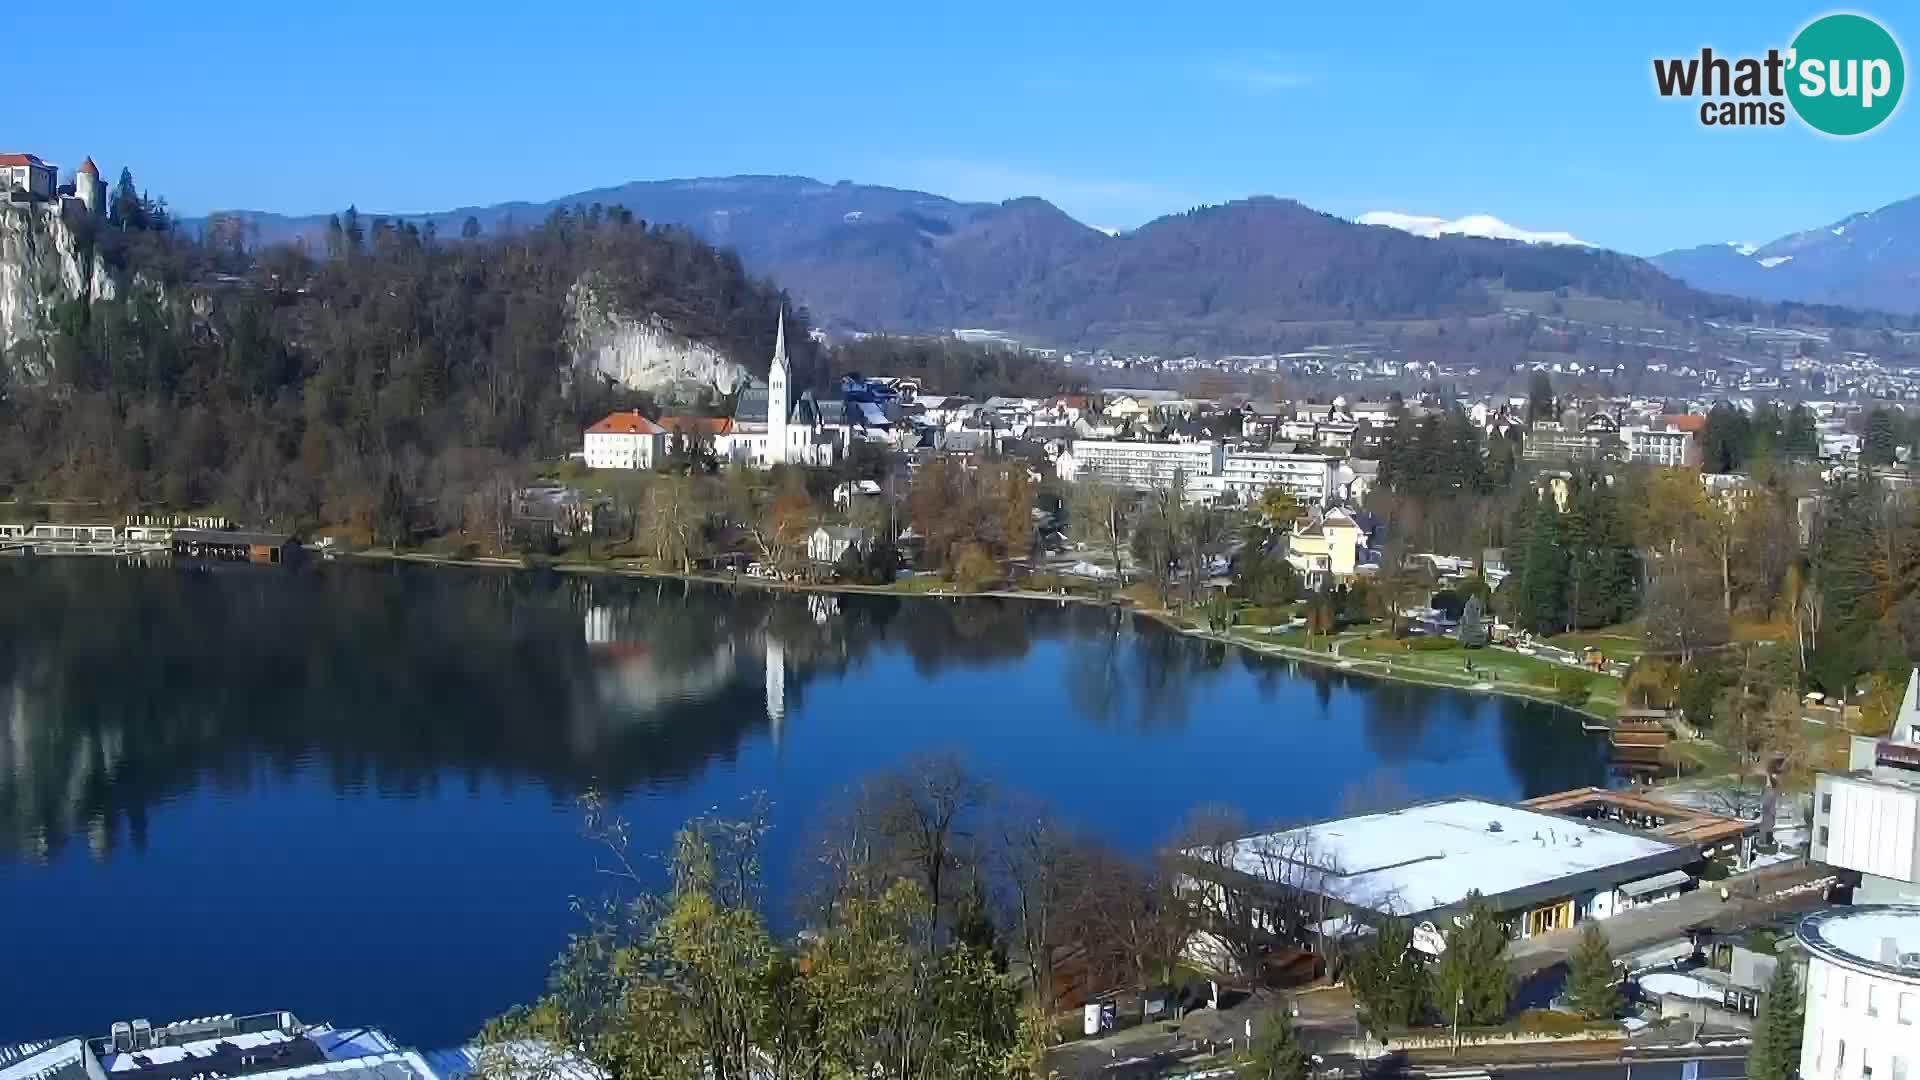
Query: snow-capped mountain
point(1869, 260)
point(1472, 225)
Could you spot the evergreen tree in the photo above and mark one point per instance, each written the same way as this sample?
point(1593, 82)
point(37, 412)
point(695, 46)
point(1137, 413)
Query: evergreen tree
point(1590, 977)
point(1801, 437)
point(1540, 404)
point(1777, 1033)
point(1473, 969)
point(1276, 1053)
point(1725, 441)
point(1390, 978)
point(124, 209)
point(1473, 623)
point(1882, 439)
point(1537, 557)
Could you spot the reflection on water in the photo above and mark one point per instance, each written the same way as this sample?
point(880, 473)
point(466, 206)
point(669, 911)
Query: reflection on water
point(389, 756)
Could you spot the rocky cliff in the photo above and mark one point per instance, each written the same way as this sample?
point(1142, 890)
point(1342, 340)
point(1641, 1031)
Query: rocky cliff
point(641, 351)
point(41, 267)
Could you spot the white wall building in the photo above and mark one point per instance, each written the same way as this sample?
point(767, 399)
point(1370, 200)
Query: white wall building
point(1311, 478)
point(1863, 994)
point(1867, 819)
point(1138, 465)
point(624, 440)
point(1660, 446)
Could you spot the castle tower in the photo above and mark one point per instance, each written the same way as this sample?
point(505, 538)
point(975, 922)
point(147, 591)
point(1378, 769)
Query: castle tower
point(89, 188)
point(779, 379)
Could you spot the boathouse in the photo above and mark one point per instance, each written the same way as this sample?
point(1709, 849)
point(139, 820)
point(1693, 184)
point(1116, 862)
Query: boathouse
point(233, 545)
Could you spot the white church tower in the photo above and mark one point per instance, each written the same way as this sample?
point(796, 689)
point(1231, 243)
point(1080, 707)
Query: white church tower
point(779, 378)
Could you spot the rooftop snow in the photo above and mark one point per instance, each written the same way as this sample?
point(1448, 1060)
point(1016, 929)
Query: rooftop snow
point(1431, 855)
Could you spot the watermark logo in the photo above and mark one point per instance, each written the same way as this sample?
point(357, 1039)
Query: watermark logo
point(1842, 75)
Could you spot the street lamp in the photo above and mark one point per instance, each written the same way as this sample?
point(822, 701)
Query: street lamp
point(1459, 998)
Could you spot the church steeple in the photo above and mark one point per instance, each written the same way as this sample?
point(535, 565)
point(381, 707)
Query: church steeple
point(779, 402)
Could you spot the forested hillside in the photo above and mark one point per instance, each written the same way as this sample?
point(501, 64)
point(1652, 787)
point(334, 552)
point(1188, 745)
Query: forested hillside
point(395, 374)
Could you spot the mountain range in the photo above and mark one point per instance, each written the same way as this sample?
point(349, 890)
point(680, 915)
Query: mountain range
point(1215, 279)
point(1865, 260)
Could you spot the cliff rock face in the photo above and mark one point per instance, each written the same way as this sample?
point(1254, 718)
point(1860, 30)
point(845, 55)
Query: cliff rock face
point(642, 352)
point(41, 267)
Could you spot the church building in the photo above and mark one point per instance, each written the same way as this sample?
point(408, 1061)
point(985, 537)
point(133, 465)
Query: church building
point(771, 427)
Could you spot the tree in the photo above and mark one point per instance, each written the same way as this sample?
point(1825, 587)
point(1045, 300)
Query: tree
point(1097, 517)
point(1683, 608)
point(124, 209)
point(1473, 623)
point(1540, 405)
point(1778, 1031)
point(923, 816)
point(1390, 977)
point(1473, 969)
point(673, 984)
point(1591, 978)
point(1276, 1053)
point(1882, 441)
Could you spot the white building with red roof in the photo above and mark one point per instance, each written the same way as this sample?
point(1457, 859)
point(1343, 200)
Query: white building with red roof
point(27, 173)
point(624, 440)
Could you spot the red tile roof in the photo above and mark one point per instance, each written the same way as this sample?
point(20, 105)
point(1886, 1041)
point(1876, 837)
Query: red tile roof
point(1693, 422)
point(21, 159)
point(88, 168)
point(698, 425)
point(625, 423)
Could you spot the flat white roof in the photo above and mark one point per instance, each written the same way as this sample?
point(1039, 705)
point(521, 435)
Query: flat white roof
point(1432, 855)
point(1880, 937)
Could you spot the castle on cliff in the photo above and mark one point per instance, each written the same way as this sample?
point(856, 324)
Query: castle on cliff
point(25, 179)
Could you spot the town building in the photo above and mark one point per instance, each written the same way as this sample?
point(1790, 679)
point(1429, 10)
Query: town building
point(624, 440)
point(1863, 993)
point(1867, 819)
point(1671, 443)
point(275, 1046)
point(1139, 465)
point(1313, 479)
point(1540, 870)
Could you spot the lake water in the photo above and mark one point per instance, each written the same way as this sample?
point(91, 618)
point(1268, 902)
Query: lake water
point(351, 791)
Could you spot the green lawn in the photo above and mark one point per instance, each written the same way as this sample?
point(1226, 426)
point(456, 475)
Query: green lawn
point(1624, 643)
point(1447, 663)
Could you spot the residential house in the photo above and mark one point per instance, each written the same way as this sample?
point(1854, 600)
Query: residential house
point(1326, 548)
point(829, 543)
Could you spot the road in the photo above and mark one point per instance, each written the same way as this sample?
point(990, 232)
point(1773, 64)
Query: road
point(1755, 898)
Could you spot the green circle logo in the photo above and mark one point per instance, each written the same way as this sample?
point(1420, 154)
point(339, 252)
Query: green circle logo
point(1847, 74)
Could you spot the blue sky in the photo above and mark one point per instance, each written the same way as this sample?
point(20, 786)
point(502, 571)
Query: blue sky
point(1538, 113)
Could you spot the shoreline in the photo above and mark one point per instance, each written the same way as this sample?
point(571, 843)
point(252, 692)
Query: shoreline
point(1330, 659)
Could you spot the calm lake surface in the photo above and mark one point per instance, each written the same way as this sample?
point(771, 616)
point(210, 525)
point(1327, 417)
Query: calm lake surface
point(350, 791)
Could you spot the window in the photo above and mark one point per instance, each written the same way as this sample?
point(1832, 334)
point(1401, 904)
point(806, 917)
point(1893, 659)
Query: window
point(1823, 836)
point(1908, 1009)
point(1899, 1068)
point(1873, 1000)
point(1846, 999)
point(1826, 803)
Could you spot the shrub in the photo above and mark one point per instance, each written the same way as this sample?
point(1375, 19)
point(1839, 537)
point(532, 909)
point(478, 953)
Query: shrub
point(1549, 1022)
